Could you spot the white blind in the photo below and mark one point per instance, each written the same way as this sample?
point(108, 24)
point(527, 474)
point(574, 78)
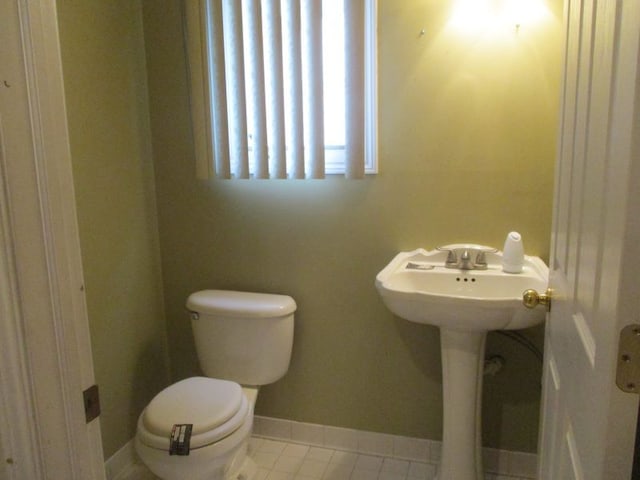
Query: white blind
point(257, 87)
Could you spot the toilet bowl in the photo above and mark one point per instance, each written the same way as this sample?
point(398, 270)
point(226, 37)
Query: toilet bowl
point(220, 430)
point(199, 427)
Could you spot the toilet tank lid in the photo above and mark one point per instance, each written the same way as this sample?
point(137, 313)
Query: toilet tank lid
point(241, 304)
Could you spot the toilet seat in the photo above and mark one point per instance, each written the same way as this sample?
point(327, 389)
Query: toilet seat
point(216, 408)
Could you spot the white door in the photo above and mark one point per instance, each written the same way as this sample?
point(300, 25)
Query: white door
point(588, 423)
point(45, 354)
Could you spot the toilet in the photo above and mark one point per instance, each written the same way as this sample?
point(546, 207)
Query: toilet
point(199, 427)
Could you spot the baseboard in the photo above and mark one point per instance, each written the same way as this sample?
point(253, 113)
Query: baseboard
point(497, 462)
point(121, 461)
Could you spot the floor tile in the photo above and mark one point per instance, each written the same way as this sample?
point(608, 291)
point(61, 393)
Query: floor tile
point(344, 458)
point(288, 464)
point(280, 476)
point(421, 471)
point(313, 468)
point(391, 476)
point(320, 454)
point(265, 460)
point(272, 446)
point(294, 450)
point(391, 465)
point(369, 462)
point(335, 471)
point(287, 460)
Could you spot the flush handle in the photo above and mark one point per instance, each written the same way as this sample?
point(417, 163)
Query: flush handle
point(531, 298)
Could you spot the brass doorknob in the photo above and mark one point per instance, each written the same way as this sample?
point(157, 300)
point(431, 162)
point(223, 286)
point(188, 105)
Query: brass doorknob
point(531, 298)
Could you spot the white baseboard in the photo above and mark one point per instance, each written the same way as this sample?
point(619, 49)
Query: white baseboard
point(497, 462)
point(121, 461)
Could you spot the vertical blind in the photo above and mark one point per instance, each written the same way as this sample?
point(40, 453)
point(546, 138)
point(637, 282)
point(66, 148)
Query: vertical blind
point(257, 74)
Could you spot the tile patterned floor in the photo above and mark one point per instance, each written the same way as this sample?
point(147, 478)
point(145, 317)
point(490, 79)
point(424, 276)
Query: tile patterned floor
point(286, 461)
point(278, 460)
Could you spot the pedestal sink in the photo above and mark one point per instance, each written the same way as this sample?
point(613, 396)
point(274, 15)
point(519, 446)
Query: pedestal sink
point(465, 305)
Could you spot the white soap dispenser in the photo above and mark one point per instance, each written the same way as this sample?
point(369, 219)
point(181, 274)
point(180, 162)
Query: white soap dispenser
point(513, 253)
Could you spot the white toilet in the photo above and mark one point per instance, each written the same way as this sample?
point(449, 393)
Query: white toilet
point(199, 428)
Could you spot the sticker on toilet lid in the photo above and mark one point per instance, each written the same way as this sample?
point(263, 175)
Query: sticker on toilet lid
point(180, 439)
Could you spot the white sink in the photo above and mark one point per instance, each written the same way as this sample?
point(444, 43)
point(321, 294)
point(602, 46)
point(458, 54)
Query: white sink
point(465, 305)
point(418, 287)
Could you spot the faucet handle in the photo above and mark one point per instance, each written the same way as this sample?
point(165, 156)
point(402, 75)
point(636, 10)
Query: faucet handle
point(452, 259)
point(481, 257)
point(481, 260)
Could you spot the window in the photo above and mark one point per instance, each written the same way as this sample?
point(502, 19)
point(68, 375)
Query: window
point(283, 88)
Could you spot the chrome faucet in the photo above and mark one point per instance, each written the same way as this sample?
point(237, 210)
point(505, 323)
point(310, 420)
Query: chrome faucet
point(466, 257)
point(465, 261)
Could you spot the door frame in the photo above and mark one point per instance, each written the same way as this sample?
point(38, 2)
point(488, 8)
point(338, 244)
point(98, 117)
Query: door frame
point(46, 351)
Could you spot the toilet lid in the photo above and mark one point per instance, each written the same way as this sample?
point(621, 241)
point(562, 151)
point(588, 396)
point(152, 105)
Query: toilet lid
point(215, 408)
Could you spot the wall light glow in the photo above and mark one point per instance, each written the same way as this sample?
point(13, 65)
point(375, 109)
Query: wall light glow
point(475, 16)
point(523, 12)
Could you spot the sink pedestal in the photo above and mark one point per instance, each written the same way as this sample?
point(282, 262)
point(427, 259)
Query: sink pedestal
point(462, 372)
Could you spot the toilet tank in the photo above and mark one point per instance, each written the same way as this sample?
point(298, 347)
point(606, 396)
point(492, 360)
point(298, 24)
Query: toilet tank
point(241, 336)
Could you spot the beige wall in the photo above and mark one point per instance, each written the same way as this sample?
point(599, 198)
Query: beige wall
point(105, 83)
point(467, 140)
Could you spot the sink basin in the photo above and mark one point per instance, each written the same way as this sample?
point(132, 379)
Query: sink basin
point(418, 287)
